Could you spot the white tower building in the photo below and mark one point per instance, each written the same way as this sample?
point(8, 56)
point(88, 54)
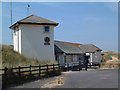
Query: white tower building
point(34, 37)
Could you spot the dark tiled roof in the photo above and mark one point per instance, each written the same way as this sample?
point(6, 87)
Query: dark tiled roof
point(57, 49)
point(89, 48)
point(96, 47)
point(68, 48)
point(74, 44)
point(33, 19)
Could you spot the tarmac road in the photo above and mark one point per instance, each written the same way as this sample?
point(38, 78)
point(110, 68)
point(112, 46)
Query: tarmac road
point(107, 78)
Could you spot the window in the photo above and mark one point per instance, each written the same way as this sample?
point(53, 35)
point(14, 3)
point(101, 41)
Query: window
point(47, 41)
point(46, 29)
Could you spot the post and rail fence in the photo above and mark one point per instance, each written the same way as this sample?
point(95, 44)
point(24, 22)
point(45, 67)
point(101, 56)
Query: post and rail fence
point(40, 70)
point(43, 70)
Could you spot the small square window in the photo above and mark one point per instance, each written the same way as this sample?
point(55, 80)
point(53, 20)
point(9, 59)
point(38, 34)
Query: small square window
point(46, 29)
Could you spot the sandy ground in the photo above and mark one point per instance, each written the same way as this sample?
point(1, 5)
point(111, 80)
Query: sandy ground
point(113, 59)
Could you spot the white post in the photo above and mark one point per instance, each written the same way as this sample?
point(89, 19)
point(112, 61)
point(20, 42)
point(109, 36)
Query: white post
point(91, 59)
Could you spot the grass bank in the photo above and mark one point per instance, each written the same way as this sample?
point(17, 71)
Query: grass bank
point(11, 58)
point(111, 60)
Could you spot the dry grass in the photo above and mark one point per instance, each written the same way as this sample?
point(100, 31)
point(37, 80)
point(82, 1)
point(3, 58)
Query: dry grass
point(11, 58)
point(111, 60)
point(111, 64)
point(52, 84)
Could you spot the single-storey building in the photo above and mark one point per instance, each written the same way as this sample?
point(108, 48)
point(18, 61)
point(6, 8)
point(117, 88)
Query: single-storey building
point(67, 53)
point(93, 53)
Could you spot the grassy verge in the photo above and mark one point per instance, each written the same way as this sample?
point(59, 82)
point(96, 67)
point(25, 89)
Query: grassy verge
point(11, 59)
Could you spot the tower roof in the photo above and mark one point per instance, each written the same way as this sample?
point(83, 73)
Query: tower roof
point(33, 19)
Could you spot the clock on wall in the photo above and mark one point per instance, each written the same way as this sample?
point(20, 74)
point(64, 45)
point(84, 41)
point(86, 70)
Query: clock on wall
point(47, 41)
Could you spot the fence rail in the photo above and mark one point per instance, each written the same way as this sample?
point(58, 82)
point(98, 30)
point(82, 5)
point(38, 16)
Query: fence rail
point(42, 69)
point(30, 70)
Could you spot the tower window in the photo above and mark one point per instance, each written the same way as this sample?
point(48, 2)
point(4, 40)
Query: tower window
point(47, 41)
point(46, 29)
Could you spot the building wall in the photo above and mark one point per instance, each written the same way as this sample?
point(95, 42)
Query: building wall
point(32, 42)
point(60, 58)
point(17, 40)
point(74, 58)
point(97, 57)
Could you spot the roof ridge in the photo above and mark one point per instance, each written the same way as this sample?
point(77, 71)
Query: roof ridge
point(66, 42)
point(34, 20)
point(44, 18)
point(25, 18)
point(36, 16)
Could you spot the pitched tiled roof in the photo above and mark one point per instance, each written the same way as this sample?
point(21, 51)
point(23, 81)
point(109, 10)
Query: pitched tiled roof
point(74, 44)
point(57, 49)
point(89, 48)
point(33, 19)
point(96, 47)
point(68, 48)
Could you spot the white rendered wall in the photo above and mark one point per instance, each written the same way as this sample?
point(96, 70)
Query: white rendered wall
point(19, 42)
point(32, 42)
point(15, 40)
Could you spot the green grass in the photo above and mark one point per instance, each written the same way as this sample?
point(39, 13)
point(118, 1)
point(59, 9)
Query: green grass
point(11, 58)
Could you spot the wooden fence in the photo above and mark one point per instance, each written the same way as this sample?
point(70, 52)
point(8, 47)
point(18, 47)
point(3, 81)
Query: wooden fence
point(43, 70)
point(40, 70)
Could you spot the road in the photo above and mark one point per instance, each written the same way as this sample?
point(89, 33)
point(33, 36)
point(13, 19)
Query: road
point(81, 79)
point(92, 79)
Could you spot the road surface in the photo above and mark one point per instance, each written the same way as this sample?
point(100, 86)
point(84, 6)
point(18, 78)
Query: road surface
point(92, 79)
point(81, 79)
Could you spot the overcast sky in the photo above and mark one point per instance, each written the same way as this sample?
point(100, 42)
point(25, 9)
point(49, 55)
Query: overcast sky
point(86, 23)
